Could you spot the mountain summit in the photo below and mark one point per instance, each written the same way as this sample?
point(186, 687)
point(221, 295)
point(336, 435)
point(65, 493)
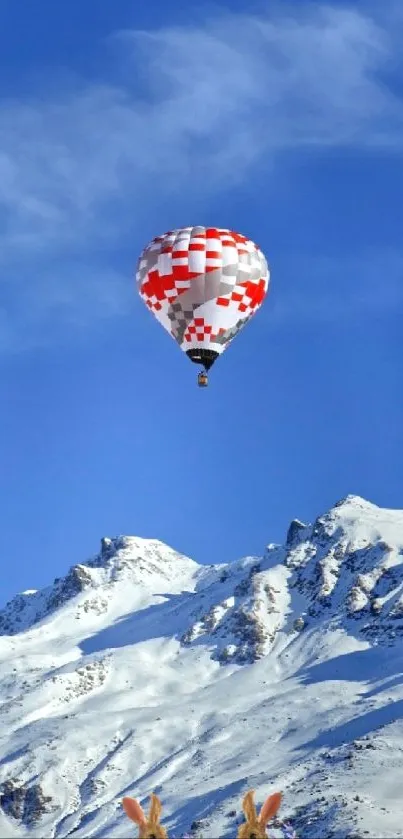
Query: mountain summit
point(142, 670)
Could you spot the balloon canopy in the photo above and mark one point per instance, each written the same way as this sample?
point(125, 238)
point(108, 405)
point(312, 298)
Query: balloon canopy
point(203, 284)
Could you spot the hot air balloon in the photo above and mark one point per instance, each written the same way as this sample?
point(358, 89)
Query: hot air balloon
point(203, 284)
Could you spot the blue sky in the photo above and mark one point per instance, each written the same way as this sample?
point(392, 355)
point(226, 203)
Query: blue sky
point(120, 121)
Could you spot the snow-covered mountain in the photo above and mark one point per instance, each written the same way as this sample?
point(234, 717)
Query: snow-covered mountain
point(142, 670)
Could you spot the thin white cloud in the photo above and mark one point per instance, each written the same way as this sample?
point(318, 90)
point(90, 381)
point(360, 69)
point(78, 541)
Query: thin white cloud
point(198, 109)
point(59, 301)
point(325, 291)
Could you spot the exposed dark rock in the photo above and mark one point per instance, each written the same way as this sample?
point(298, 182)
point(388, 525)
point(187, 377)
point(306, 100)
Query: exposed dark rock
point(22, 803)
point(294, 533)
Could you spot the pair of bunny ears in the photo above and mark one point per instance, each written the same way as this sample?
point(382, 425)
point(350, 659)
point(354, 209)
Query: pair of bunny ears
point(149, 828)
point(253, 828)
point(255, 825)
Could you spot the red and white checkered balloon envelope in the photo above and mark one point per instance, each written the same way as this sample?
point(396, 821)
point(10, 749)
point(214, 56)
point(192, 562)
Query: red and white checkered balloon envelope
point(203, 284)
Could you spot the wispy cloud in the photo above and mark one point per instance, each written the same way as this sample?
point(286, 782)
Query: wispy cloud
point(198, 109)
point(323, 291)
point(42, 308)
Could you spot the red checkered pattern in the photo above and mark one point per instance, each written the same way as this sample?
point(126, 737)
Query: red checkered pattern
point(202, 284)
point(198, 330)
point(180, 256)
point(159, 287)
point(248, 295)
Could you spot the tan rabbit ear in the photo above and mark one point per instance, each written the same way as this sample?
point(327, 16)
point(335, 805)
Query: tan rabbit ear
point(155, 808)
point(133, 810)
point(270, 807)
point(248, 806)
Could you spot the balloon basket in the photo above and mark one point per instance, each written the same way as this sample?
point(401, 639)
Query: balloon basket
point(202, 380)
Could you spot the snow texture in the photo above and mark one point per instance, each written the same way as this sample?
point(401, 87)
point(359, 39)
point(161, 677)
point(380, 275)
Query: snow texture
point(143, 671)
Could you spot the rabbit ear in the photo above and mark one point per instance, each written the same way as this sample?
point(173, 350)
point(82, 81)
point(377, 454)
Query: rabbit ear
point(133, 810)
point(248, 806)
point(155, 808)
point(270, 807)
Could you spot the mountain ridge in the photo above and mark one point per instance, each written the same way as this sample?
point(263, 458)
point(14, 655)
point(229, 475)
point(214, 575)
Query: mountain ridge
point(188, 665)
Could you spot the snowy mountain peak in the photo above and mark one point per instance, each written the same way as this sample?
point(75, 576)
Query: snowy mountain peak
point(349, 566)
point(141, 670)
point(355, 501)
point(353, 507)
point(123, 560)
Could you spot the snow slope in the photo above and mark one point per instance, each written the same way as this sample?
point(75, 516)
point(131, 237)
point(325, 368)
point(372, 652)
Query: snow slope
point(142, 670)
